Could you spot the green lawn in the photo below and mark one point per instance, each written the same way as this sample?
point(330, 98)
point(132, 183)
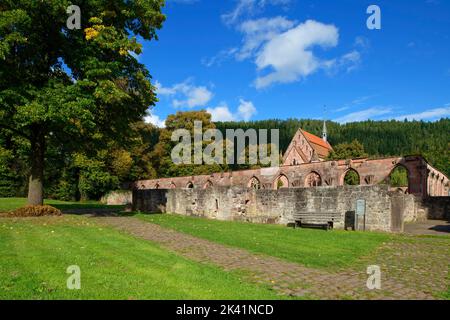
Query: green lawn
point(35, 253)
point(7, 204)
point(310, 247)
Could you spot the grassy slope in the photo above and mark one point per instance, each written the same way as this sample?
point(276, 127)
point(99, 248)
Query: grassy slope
point(313, 248)
point(7, 204)
point(35, 253)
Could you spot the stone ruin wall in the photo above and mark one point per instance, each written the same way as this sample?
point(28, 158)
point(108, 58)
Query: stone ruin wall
point(424, 180)
point(277, 206)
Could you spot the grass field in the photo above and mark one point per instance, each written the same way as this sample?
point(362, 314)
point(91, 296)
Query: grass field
point(7, 204)
point(313, 248)
point(35, 253)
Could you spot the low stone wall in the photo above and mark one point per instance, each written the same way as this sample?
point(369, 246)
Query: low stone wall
point(437, 208)
point(119, 197)
point(385, 210)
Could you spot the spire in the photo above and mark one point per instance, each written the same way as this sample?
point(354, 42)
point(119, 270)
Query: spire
point(324, 130)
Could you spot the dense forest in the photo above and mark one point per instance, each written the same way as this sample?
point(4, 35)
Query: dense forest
point(108, 165)
point(379, 138)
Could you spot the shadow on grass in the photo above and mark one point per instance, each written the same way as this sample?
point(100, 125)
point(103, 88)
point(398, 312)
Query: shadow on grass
point(87, 206)
point(134, 213)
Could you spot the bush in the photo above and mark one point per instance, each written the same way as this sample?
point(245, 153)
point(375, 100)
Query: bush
point(34, 211)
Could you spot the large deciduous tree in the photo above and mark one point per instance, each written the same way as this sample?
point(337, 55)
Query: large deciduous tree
point(73, 85)
point(161, 155)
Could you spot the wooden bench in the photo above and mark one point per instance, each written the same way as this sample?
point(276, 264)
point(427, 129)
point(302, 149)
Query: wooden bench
point(316, 219)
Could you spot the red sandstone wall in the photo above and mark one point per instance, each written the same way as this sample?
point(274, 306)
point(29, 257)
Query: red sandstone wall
point(423, 179)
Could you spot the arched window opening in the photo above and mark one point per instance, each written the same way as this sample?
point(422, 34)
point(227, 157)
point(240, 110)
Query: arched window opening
point(313, 180)
point(351, 178)
point(281, 182)
point(254, 183)
point(398, 178)
point(208, 184)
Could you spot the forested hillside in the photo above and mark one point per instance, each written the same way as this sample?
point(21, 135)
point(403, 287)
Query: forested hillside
point(102, 167)
point(379, 138)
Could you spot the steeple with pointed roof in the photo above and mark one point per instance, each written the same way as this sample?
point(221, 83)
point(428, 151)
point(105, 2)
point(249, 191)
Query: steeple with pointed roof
point(324, 131)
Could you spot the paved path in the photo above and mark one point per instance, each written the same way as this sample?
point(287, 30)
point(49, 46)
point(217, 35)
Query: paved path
point(409, 270)
point(432, 227)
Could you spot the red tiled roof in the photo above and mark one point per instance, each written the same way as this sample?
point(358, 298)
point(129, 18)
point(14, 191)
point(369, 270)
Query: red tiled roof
point(316, 140)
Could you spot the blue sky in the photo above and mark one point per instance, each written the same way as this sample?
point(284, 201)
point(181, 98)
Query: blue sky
point(260, 59)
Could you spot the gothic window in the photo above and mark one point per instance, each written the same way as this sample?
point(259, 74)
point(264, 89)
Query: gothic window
point(399, 177)
point(281, 182)
point(313, 180)
point(208, 184)
point(351, 178)
point(254, 183)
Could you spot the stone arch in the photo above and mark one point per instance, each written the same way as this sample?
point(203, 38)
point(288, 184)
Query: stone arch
point(156, 186)
point(172, 185)
point(313, 179)
point(208, 184)
point(398, 178)
point(351, 177)
point(190, 185)
point(254, 183)
point(281, 182)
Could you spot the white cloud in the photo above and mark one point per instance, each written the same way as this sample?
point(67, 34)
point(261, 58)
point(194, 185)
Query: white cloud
point(348, 62)
point(364, 114)
point(249, 8)
point(245, 111)
point(221, 113)
point(185, 94)
point(282, 49)
point(289, 54)
point(256, 32)
point(155, 120)
point(431, 114)
point(362, 42)
point(220, 57)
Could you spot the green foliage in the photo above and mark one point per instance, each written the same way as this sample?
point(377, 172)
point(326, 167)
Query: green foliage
point(344, 151)
point(6, 174)
point(399, 177)
point(280, 184)
point(351, 178)
point(74, 86)
point(12, 174)
point(162, 153)
point(95, 179)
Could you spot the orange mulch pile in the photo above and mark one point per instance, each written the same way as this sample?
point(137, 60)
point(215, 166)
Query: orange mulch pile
point(34, 211)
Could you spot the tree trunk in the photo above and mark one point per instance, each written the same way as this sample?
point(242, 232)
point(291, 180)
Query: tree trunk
point(35, 186)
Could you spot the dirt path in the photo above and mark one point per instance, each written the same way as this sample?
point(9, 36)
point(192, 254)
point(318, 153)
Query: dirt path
point(406, 271)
